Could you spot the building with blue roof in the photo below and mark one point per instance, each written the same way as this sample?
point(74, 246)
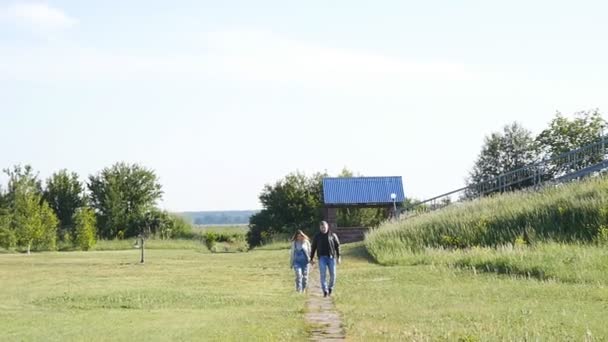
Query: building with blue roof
point(359, 192)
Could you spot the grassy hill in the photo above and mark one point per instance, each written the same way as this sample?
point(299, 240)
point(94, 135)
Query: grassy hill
point(570, 213)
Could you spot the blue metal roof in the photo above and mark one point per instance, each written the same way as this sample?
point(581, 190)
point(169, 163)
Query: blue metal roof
point(362, 190)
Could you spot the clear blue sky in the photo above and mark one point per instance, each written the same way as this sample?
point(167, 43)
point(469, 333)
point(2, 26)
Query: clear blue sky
point(222, 97)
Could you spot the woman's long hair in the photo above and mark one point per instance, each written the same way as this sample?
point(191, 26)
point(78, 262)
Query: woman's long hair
point(299, 232)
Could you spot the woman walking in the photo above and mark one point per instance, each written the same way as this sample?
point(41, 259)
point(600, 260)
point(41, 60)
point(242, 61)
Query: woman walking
point(300, 259)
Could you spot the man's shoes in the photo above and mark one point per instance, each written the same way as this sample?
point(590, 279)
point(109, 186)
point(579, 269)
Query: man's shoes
point(325, 293)
point(329, 293)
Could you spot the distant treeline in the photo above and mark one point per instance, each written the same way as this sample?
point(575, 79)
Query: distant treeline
point(219, 217)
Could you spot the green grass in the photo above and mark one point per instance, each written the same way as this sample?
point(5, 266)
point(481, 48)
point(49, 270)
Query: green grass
point(571, 263)
point(192, 295)
point(127, 244)
point(519, 266)
point(567, 213)
point(436, 302)
point(273, 246)
point(177, 295)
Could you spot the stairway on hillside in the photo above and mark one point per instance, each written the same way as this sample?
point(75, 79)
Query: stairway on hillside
point(351, 234)
point(577, 164)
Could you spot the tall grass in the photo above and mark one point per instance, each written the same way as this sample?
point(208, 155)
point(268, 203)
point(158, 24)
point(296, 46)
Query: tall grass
point(575, 212)
point(568, 263)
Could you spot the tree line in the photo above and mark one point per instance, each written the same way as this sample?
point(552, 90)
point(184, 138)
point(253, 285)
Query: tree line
point(118, 202)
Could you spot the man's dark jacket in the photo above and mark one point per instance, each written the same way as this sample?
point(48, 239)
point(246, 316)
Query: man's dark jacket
point(325, 245)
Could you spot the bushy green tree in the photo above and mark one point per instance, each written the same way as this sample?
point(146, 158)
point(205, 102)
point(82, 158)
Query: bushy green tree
point(21, 177)
point(565, 134)
point(121, 195)
point(292, 203)
point(7, 235)
point(85, 228)
point(33, 221)
point(502, 152)
point(65, 194)
point(164, 225)
point(180, 228)
point(8, 239)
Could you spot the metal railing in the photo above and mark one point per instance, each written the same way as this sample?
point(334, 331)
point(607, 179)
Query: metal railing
point(568, 166)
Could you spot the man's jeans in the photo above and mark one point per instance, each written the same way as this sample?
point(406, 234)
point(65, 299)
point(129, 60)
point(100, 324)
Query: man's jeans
point(325, 263)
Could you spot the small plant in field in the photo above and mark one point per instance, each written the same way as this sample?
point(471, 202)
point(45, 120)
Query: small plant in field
point(449, 241)
point(602, 235)
point(224, 242)
point(520, 241)
point(468, 338)
point(210, 239)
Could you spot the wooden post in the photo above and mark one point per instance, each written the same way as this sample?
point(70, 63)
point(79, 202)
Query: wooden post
point(331, 217)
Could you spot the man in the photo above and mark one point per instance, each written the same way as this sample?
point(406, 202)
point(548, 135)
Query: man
point(327, 246)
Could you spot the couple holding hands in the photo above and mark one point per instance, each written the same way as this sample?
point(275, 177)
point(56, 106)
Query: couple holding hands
point(327, 247)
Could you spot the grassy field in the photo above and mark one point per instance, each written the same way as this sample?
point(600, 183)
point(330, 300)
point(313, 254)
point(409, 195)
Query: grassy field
point(189, 295)
point(176, 295)
point(436, 302)
point(128, 244)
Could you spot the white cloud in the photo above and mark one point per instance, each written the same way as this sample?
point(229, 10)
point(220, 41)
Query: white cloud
point(36, 16)
point(264, 56)
point(232, 55)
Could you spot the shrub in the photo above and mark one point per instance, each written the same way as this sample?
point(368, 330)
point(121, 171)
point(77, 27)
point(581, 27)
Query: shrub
point(8, 239)
point(85, 228)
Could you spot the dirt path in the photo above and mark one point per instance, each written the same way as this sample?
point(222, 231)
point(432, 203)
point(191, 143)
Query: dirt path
point(321, 315)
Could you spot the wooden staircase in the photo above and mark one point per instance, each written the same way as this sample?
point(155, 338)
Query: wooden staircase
point(351, 234)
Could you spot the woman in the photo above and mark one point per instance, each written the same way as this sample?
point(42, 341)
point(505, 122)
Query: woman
point(300, 259)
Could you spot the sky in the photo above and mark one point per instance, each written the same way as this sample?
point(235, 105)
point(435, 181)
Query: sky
point(223, 97)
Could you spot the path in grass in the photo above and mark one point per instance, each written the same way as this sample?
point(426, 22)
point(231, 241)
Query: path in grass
point(321, 316)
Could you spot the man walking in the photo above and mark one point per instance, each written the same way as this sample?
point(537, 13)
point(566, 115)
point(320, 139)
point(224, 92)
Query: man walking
point(327, 246)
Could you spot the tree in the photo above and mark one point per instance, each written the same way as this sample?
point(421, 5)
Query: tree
point(33, 221)
point(64, 193)
point(7, 235)
point(121, 195)
point(564, 134)
point(165, 225)
point(179, 228)
point(8, 239)
point(502, 152)
point(27, 219)
point(84, 228)
point(21, 177)
point(291, 203)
